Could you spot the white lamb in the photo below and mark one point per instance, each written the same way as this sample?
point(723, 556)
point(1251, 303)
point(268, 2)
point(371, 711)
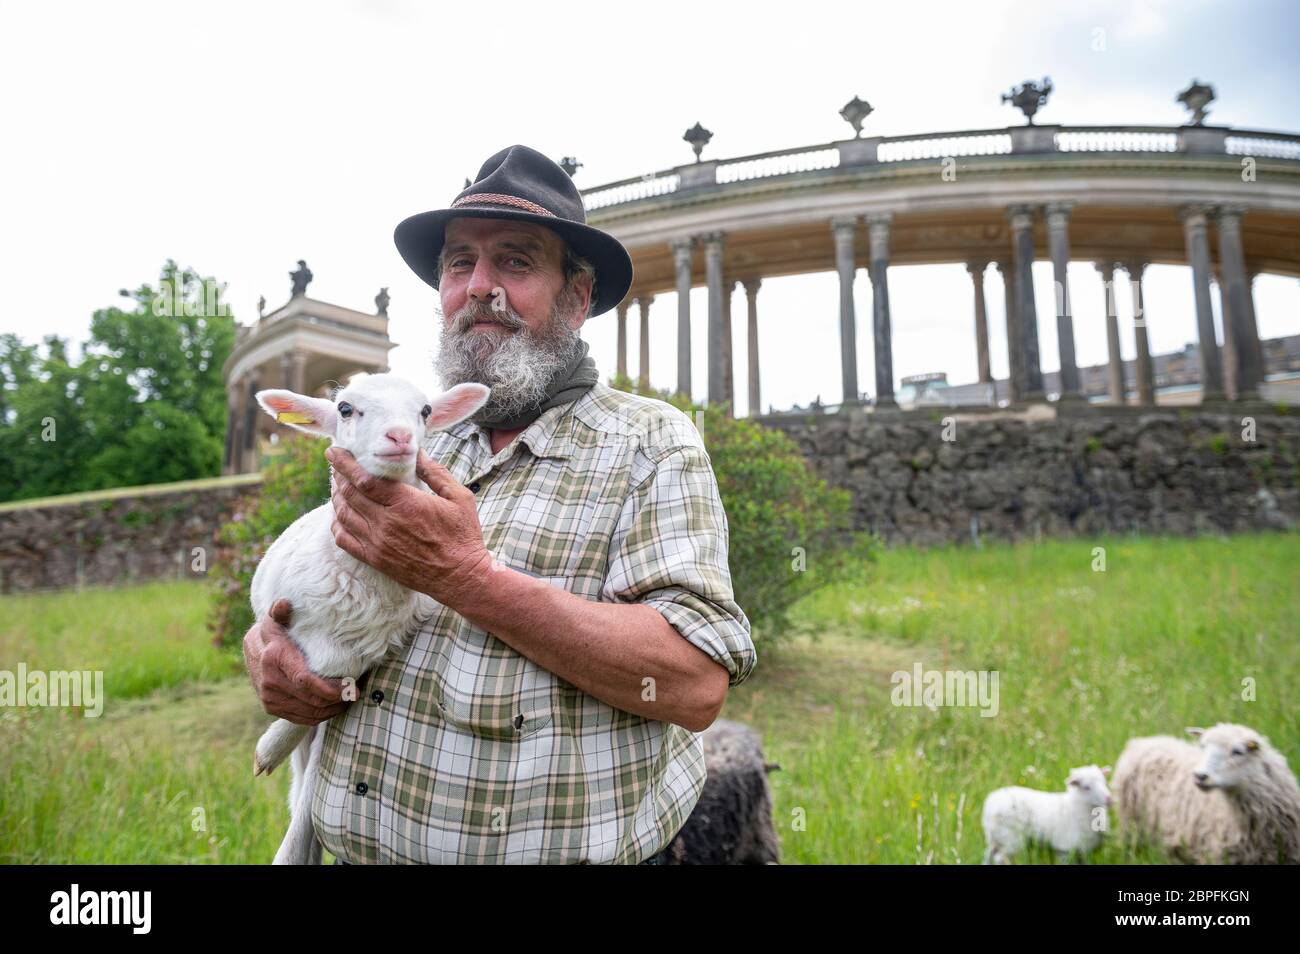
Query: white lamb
point(1230, 800)
point(1069, 821)
point(346, 615)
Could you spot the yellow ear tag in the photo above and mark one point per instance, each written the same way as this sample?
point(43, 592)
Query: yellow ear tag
point(294, 417)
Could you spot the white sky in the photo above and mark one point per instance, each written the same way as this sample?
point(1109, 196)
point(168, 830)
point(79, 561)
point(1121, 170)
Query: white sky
point(238, 137)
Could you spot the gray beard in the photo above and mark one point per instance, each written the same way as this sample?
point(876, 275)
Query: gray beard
point(518, 366)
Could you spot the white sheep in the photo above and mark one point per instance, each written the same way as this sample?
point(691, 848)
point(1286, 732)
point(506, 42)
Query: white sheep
point(1232, 799)
point(1069, 821)
point(346, 615)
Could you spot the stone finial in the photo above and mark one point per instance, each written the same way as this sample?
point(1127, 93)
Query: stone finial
point(698, 137)
point(1029, 97)
point(261, 306)
point(854, 112)
point(301, 278)
point(381, 302)
point(570, 165)
point(1195, 98)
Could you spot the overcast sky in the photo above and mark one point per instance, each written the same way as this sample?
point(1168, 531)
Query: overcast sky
point(239, 137)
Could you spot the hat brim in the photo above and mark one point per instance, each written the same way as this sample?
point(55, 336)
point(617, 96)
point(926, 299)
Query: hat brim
point(420, 238)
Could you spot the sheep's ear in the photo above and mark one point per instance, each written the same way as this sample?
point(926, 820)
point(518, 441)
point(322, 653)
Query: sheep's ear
point(1194, 732)
point(452, 407)
point(1072, 781)
point(1105, 770)
point(307, 414)
point(1252, 745)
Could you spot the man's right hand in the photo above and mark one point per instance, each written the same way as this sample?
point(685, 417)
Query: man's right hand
point(280, 675)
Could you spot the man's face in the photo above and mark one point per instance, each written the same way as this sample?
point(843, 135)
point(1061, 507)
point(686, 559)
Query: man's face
point(510, 321)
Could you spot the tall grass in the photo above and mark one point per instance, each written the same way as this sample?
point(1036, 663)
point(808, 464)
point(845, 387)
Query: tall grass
point(1161, 639)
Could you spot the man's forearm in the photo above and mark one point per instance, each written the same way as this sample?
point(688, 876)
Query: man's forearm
point(608, 650)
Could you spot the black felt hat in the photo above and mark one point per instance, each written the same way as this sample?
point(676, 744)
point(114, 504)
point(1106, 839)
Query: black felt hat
point(521, 183)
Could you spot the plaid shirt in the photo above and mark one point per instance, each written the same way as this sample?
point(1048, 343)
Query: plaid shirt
point(462, 750)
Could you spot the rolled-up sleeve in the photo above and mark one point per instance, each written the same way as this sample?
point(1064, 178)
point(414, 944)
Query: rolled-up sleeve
point(670, 552)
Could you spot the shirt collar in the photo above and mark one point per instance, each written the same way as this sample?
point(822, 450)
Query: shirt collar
point(551, 435)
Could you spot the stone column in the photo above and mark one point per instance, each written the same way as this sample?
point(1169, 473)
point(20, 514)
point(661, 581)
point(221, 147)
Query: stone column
point(844, 229)
point(620, 360)
point(230, 463)
point(682, 262)
point(248, 450)
point(298, 371)
point(1058, 242)
point(1022, 230)
point(1239, 302)
point(1198, 255)
point(1015, 355)
point(713, 275)
point(643, 380)
point(976, 270)
point(751, 298)
point(1228, 350)
point(1115, 362)
point(728, 370)
point(878, 231)
point(1146, 380)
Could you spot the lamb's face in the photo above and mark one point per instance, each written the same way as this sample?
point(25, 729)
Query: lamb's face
point(381, 422)
point(380, 418)
point(1089, 784)
point(1229, 756)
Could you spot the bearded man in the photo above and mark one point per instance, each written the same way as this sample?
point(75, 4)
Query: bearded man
point(585, 630)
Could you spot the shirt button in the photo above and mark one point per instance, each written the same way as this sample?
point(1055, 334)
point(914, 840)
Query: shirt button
point(474, 487)
point(362, 788)
point(377, 696)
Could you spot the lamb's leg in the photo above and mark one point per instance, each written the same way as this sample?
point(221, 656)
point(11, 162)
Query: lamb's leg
point(275, 745)
point(300, 845)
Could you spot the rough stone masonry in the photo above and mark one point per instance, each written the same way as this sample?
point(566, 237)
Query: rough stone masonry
point(939, 475)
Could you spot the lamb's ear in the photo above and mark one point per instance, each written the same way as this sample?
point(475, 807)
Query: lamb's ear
point(1105, 770)
point(1072, 781)
point(1194, 732)
point(1252, 745)
point(307, 414)
point(452, 407)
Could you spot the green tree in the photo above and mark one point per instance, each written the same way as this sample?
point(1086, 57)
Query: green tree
point(144, 404)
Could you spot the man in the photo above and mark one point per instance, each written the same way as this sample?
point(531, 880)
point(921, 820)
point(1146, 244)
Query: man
point(585, 629)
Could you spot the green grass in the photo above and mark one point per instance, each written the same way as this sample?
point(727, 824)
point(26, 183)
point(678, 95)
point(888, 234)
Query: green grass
point(1161, 639)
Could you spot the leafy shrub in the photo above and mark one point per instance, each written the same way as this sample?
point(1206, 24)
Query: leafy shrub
point(789, 532)
point(293, 483)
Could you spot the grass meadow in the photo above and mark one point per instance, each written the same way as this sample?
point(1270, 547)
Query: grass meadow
point(1171, 633)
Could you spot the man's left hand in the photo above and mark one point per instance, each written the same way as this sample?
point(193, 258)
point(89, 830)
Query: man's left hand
point(431, 543)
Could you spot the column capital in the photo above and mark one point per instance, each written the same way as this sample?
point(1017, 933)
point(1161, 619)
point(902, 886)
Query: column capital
point(752, 285)
point(977, 267)
point(1057, 214)
point(712, 241)
point(644, 301)
point(839, 222)
point(1004, 266)
point(682, 250)
point(1135, 268)
point(1228, 217)
point(1021, 216)
point(878, 226)
point(1105, 269)
point(1195, 216)
point(623, 306)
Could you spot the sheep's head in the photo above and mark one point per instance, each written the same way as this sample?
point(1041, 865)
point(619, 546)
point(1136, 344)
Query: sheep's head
point(1089, 783)
point(1230, 754)
point(380, 418)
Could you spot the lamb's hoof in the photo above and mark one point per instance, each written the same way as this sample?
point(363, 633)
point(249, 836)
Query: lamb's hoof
point(259, 768)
